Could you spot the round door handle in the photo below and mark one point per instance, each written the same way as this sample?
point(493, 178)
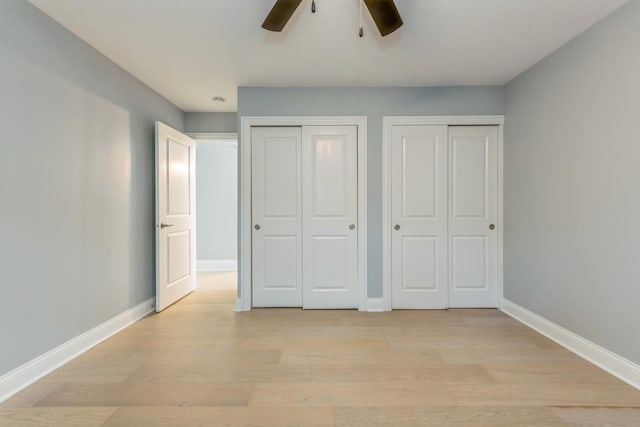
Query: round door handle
point(257, 227)
point(492, 226)
point(352, 227)
point(397, 227)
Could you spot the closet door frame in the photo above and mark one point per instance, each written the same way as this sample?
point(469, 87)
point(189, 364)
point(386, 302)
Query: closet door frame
point(243, 301)
point(387, 125)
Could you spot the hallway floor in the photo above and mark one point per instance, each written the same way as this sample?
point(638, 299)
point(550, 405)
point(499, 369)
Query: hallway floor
point(199, 363)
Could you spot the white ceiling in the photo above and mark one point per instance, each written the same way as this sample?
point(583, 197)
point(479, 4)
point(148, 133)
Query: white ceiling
point(192, 50)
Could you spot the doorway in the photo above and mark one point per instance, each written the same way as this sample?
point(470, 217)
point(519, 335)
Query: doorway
point(216, 210)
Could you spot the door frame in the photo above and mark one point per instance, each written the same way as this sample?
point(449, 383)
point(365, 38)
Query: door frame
point(387, 123)
point(243, 302)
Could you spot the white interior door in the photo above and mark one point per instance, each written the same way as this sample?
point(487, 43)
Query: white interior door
point(277, 217)
point(330, 212)
point(473, 212)
point(175, 215)
point(419, 217)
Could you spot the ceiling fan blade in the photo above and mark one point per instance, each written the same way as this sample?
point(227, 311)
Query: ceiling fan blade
point(385, 15)
point(280, 14)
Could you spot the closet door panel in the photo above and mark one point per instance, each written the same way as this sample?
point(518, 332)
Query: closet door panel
point(419, 217)
point(330, 210)
point(276, 216)
point(473, 208)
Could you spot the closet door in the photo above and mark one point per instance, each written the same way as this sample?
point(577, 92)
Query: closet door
point(419, 217)
point(473, 212)
point(330, 212)
point(277, 217)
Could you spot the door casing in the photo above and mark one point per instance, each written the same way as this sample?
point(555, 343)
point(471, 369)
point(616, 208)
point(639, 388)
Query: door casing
point(387, 124)
point(243, 302)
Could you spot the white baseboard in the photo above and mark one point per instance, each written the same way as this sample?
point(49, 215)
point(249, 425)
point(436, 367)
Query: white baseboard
point(375, 305)
point(217, 265)
point(616, 365)
point(25, 375)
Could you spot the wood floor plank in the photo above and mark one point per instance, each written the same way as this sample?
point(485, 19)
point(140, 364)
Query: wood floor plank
point(230, 416)
point(620, 417)
point(522, 353)
point(359, 357)
point(549, 394)
point(314, 343)
point(149, 395)
point(215, 374)
point(563, 371)
point(416, 416)
point(477, 342)
point(77, 373)
point(350, 394)
point(30, 395)
point(363, 373)
point(67, 416)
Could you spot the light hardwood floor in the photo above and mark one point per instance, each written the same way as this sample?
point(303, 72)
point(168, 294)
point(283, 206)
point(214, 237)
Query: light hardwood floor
point(200, 364)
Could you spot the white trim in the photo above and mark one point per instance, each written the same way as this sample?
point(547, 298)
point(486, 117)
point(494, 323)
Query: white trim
point(212, 136)
point(25, 375)
point(614, 364)
point(387, 123)
point(244, 261)
point(217, 265)
point(239, 306)
point(375, 305)
point(444, 120)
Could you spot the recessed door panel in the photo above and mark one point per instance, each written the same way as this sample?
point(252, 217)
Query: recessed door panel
point(330, 263)
point(280, 170)
point(473, 207)
point(419, 263)
point(419, 217)
point(276, 216)
point(469, 262)
point(328, 175)
point(280, 272)
point(469, 176)
point(178, 177)
point(419, 176)
point(179, 256)
point(330, 210)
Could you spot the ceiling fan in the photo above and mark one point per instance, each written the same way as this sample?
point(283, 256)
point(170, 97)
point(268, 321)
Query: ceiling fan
point(384, 13)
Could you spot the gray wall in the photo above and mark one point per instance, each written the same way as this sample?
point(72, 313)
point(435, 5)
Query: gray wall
point(217, 201)
point(373, 103)
point(211, 122)
point(76, 185)
point(572, 185)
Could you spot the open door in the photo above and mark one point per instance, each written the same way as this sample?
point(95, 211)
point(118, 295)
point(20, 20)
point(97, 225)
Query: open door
point(175, 216)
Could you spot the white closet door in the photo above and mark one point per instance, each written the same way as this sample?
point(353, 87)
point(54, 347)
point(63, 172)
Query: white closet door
point(419, 216)
point(330, 211)
point(277, 216)
point(473, 212)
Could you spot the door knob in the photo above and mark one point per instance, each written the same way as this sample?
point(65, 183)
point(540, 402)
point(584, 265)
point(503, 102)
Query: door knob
point(397, 227)
point(492, 226)
point(352, 227)
point(163, 225)
point(257, 227)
